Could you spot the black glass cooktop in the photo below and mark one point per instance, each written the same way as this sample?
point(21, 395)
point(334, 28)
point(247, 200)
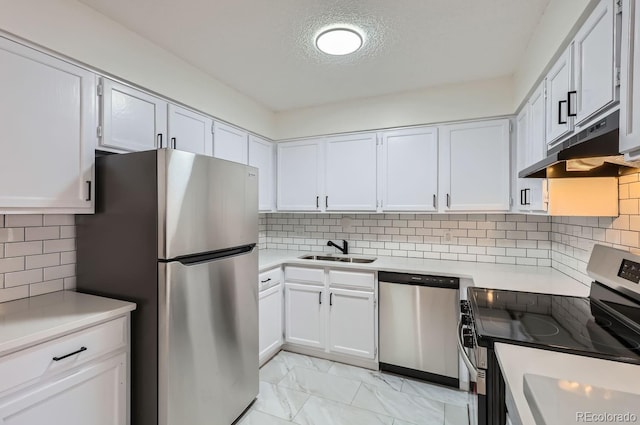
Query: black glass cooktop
point(606, 328)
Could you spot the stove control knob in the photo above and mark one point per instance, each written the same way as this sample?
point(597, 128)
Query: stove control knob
point(465, 308)
point(466, 319)
point(467, 338)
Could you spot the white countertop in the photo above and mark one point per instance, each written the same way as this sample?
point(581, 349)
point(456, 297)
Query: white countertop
point(516, 360)
point(484, 275)
point(32, 320)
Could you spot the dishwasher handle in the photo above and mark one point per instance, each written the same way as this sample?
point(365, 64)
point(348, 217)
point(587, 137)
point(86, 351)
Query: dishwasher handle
point(446, 282)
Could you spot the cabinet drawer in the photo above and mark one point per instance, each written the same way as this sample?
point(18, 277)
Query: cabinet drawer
point(351, 279)
point(269, 278)
point(303, 274)
point(38, 361)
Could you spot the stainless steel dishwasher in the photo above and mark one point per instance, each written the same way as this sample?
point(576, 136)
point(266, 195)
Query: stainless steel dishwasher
point(418, 326)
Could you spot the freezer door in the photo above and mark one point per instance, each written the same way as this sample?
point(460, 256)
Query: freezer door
point(208, 340)
point(204, 204)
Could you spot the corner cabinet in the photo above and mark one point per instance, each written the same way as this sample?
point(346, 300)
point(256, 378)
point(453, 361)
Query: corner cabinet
point(474, 166)
point(48, 117)
point(409, 169)
point(130, 119)
point(262, 156)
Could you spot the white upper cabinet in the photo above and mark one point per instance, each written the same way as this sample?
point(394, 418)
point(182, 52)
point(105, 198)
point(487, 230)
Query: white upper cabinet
point(536, 142)
point(131, 120)
point(261, 156)
point(190, 131)
point(559, 84)
point(230, 143)
point(629, 91)
point(48, 117)
point(474, 166)
point(300, 175)
point(522, 138)
point(595, 59)
point(350, 173)
point(409, 169)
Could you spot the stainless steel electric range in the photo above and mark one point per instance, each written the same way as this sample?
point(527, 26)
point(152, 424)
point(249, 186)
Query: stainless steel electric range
point(605, 325)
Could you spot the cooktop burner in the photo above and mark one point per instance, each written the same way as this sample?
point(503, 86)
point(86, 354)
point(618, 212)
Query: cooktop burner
point(569, 324)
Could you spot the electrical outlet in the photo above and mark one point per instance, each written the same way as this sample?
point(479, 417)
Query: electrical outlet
point(447, 236)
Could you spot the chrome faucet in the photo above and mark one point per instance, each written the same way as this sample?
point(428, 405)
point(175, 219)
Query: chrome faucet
point(344, 248)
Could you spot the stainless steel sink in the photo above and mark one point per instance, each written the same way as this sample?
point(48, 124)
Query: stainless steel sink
point(338, 259)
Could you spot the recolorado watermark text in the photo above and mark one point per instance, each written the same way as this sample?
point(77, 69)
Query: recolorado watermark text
point(606, 417)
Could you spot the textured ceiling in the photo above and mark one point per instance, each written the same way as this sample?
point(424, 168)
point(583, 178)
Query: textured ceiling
point(265, 48)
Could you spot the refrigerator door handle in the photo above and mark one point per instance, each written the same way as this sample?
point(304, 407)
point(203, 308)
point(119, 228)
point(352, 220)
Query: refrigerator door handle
point(214, 255)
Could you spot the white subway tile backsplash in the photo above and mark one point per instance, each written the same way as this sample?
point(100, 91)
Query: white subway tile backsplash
point(41, 233)
point(12, 235)
point(22, 278)
point(11, 264)
point(37, 255)
point(46, 287)
point(59, 245)
point(20, 249)
point(27, 220)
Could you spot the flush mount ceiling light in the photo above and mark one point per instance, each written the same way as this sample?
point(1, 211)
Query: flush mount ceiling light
point(339, 41)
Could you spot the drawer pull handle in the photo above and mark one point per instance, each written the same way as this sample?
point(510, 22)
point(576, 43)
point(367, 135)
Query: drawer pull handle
point(266, 280)
point(57, 359)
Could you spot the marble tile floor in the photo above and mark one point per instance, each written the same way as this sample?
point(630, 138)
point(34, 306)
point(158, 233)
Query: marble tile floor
point(302, 390)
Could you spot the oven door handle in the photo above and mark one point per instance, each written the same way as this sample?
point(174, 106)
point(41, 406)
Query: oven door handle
point(473, 371)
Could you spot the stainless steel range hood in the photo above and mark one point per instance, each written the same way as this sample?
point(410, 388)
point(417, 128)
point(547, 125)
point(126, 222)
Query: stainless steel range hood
point(594, 152)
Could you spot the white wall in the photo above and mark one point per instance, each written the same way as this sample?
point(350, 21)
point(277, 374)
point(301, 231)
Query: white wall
point(472, 100)
point(560, 19)
point(77, 31)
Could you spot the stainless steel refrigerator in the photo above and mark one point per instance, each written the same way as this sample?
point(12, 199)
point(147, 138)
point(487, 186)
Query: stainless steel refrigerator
point(176, 233)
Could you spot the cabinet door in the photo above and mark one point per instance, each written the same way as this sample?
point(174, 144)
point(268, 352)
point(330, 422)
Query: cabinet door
point(261, 156)
point(630, 72)
point(474, 166)
point(558, 83)
point(409, 172)
point(95, 394)
point(230, 143)
point(48, 118)
point(352, 322)
point(522, 138)
point(350, 173)
point(304, 314)
point(595, 63)
point(270, 321)
point(190, 131)
point(536, 142)
point(300, 175)
point(132, 120)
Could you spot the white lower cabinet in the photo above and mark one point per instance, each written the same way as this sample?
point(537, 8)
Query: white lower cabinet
point(77, 379)
point(352, 322)
point(304, 314)
point(270, 320)
point(335, 316)
point(96, 394)
point(270, 306)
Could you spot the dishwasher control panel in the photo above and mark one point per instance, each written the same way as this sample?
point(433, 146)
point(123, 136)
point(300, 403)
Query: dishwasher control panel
point(420, 279)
